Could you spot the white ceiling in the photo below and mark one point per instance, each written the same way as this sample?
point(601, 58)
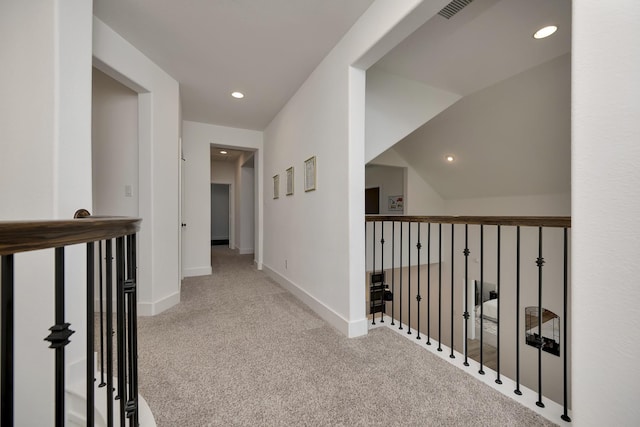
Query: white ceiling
point(265, 49)
point(231, 156)
point(510, 133)
point(487, 42)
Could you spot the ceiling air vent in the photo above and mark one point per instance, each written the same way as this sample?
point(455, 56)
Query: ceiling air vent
point(454, 7)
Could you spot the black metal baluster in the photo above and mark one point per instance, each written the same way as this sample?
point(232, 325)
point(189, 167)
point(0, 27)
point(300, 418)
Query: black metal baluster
point(400, 298)
point(481, 371)
point(439, 287)
point(90, 332)
point(59, 338)
point(383, 283)
point(409, 282)
point(101, 303)
point(466, 316)
point(452, 356)
point(121, 334)
point(517, 390)
point(131, 290)
point(540, 263)
point(109, 331)
point(418, 297)
point(6, 380)
point(565, 415)
point(498, 380)
point(393, 270)
point(428, 283)
point(373, 272)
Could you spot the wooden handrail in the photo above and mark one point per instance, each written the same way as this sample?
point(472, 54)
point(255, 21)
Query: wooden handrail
point(525, 221)
point(23, 236)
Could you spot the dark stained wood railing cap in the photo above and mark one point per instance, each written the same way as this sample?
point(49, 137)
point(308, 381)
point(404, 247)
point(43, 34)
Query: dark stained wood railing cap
point(524, 221)
point(23, 236)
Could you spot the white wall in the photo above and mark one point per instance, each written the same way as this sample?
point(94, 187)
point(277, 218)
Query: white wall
point(395, 107)
point(197, 140)
point(390, 181)
point(114, 147)
point(159, 168)
point(45, 173)
point(535, 205)
point(606, 203)
point(223, 172)
point(326, 119)
point(420, 197)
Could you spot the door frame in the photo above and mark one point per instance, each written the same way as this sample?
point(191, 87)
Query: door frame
point(231, 216)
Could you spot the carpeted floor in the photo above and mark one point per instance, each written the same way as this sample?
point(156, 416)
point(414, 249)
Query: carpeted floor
point(239, 350)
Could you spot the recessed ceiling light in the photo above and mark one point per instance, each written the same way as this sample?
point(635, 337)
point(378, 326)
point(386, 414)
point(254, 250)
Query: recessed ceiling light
point(223, 152)
point(450, 159)
point(237, 95)
point(545, 32)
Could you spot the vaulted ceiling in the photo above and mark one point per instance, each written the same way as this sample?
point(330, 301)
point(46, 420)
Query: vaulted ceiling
point(510, 133)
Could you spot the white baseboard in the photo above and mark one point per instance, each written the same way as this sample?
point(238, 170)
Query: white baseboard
point(245, 251)
point(146, 308)
point(197, 271)
point(351, 329)
point(157, 307)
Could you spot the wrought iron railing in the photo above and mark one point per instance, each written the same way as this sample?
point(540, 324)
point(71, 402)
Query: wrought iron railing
point(23, 236)
point(505, 294)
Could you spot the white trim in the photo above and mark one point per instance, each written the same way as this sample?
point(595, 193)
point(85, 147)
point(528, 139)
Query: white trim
point(351, 329)
point(197, 271)
point(245, 251)
point(153, 308)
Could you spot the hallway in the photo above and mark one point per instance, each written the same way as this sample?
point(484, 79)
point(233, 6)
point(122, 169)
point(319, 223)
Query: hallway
point(241, 351)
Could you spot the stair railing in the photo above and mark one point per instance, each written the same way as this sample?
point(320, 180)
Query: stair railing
point(511, 263)
point(25, 236)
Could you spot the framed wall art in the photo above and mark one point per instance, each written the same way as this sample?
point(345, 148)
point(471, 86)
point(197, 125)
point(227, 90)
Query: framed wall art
point(396, 203)
point(310, 174)
point(276, 186)
point(290, 177)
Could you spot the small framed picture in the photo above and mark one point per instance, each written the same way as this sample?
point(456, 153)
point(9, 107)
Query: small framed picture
point(290, 181)
point(396, 203)
point(310, 174)
point(276, 186)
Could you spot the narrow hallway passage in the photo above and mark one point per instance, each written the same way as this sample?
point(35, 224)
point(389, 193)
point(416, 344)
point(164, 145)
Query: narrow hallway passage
point(239, 350)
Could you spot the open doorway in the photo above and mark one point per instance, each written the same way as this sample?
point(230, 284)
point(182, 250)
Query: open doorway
point(220, 214)
point(372, 201)
point(384, 189)
point(114, 147)
point(234, 170)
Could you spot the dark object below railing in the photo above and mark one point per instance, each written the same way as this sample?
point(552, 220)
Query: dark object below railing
point(23, 236)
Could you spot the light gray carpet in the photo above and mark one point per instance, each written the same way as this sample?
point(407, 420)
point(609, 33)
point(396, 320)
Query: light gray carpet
point(241, 351)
